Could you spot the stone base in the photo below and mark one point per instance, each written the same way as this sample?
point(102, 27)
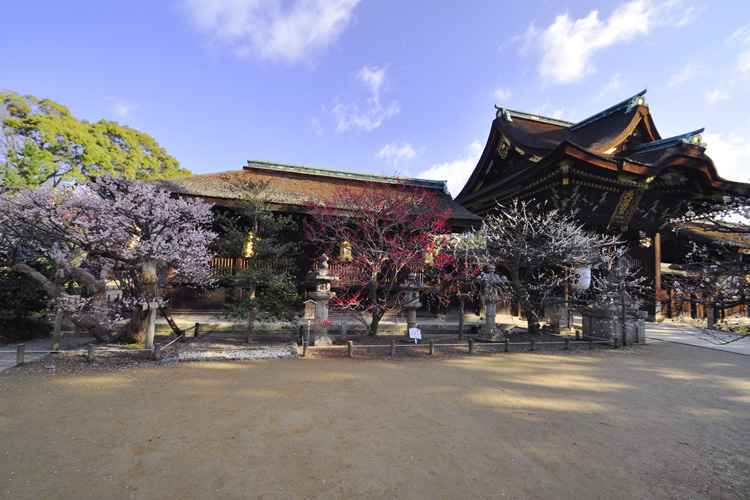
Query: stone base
point(607, 324)
point(321, 340)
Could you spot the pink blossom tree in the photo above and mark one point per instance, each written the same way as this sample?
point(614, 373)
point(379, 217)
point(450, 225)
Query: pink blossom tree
point(130, 231)
point(375, 236)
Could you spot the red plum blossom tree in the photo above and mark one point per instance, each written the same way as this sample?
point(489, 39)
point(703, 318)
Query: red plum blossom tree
point(375, 236)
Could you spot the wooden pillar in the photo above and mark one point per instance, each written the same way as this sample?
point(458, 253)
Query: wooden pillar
point(652, 264)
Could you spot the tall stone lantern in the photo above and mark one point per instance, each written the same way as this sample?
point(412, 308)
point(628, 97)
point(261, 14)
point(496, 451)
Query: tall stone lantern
point(490, 293)
point(411, 301)
point(322, 295)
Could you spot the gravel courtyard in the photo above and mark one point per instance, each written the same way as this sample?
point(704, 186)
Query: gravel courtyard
point(655, 421)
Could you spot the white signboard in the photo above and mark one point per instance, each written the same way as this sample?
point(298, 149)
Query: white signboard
point(415, 333)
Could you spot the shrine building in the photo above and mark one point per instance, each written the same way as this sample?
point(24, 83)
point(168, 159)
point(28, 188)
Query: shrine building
point(613, 171)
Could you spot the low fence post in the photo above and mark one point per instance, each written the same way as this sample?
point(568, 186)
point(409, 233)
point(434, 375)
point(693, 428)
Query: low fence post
point(471, 346)
point(507, 345)
point(567, 344)
point(20, 353)
point(578, 335)
point(432, 347)
point(305, 347)
point(197, 330)
point(617, 343)
point(533, 344)
point(393, 347)
point(591, 342)
point(350, 348)
point(157, 352)
point(90, 353)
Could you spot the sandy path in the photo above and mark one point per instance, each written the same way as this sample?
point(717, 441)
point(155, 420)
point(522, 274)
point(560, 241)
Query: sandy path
point(655, 421)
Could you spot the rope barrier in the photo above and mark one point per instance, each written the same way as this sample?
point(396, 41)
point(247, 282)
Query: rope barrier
point(172, 342)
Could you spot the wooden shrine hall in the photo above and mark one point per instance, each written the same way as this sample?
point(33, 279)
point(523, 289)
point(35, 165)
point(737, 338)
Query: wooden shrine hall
point(612, 170)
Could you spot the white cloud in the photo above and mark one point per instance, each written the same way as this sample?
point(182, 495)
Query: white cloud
point(369, 114)
point(716, 96)
point(503, 94)
point(281, 31)
point(455, 172)
point(397, 154)
point(685, 74)
point(567, 47)
point(731, 156)
point(122, 107)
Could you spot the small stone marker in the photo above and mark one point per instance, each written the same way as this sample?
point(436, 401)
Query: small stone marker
point(20, 352)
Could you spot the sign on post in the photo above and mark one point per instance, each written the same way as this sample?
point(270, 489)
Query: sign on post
point(415, 333)
point(309, 309)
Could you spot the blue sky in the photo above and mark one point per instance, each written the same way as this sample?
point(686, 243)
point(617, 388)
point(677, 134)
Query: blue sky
point(379, 86)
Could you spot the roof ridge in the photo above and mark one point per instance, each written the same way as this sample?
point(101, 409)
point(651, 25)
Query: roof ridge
point(628, 104)
point(508, 114)
point(347, 174)
point(693, 138)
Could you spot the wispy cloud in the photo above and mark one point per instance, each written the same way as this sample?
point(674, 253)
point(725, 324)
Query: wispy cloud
point(397, 154)
point(367, 114)
point(503, 94)
point(316, 126)
point(122, 107)
point(716, 96)
point(743, 65)
point(614, 83)
point(731, 156)
point(281, 31)
point(455, 172)
point(567, 47)
point(685, 74)
point(543, 111)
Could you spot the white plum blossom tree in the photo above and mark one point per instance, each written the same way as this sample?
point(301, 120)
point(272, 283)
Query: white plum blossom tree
point(536, 249)
point(129, 231)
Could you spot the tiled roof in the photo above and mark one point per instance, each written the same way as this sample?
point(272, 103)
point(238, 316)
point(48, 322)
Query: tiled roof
point(293, 187)
point(542, 134)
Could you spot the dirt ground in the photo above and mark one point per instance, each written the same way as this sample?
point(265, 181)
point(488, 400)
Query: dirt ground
point(655, 421)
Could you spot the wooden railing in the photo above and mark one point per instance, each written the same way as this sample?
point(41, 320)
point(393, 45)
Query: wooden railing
point(227, 266)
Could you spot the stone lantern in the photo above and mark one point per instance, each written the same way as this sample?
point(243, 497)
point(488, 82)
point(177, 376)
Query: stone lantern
point(322, 295)
point(411, 301)
point(489, 282)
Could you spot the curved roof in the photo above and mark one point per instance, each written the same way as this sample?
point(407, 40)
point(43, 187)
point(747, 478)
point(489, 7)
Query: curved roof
point(621, 139)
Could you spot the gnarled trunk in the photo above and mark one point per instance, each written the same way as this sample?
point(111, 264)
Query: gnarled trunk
point(88, 322)
point(373, 328)
point(135, 330)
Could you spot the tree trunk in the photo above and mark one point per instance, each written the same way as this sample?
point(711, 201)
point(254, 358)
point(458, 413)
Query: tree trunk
point(57, 332)
point(532, 322)
point(376, 317)
point(134, 331)
point(150, 286)
point(87, 322)
point(251, 325)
